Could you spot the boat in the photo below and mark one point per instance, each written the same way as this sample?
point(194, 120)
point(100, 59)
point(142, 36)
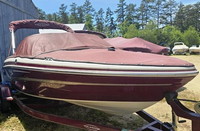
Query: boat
point(180, 48)
point(83, 69)
point(194, 49)
point(138, 45)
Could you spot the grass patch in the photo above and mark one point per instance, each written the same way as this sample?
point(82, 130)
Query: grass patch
point(19, 121)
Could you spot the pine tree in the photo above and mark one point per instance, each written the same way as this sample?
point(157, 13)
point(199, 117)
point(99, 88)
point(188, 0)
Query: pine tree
point(56, 17)
point(170, 8)
point(99, 20)
point(158, 11)
point(131, 14)
point(109, 15)
point(73, 13)
point(123, 28)
point(145, 11)
point(141, 15)
point(88, 10)
point(110, 25)
point(180, 18)
point(192, 15)
point(41, 14)
point(120, 11)
point(187, 16)
point(80, 14)
point(197, 16)
point(49, 17)
point(89, 22)
point(63, 16)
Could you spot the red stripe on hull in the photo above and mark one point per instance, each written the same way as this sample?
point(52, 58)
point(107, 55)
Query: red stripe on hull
point(39, 83)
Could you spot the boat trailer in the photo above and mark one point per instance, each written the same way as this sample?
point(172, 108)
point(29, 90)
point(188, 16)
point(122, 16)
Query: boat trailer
point(178, 110)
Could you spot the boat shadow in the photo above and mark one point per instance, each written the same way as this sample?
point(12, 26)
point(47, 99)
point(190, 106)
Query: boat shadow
point(181, 89)
point(131, 121)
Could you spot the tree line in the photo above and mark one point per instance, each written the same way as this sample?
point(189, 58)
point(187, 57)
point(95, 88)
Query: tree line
point(158, 21)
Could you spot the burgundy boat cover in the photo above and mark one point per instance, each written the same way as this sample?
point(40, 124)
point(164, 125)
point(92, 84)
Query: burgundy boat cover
point(116, 41)
point(137, 44)
point(86, 48)
point(42, 43)
point(101, 35)
point(38, 24)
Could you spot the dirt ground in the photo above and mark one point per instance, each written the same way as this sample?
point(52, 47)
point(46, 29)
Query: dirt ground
point(162, 110)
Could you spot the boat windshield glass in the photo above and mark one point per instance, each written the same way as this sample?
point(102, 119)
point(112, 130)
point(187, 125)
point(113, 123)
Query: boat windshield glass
point(180, 43)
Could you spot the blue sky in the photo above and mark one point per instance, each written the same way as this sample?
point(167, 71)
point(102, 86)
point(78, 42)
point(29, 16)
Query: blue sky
point(51, 6)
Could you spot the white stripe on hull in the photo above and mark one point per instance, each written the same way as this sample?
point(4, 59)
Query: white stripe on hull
point(114, 107)
point(94, 65)
point(125, 70)
point(111, 107)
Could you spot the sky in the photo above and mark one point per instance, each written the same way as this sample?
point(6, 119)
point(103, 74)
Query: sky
point(52, 6)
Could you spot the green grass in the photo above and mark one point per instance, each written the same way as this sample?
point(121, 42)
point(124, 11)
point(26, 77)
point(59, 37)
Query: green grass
point(19, 121)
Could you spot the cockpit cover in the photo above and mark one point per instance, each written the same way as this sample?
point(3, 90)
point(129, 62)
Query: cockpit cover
point(137, 44)
point(43, 43)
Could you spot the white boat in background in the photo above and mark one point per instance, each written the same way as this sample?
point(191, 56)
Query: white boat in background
point(180, 48)
point(194, 49)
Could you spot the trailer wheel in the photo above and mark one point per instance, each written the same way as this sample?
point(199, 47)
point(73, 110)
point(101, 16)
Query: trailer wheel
point(4, 104)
